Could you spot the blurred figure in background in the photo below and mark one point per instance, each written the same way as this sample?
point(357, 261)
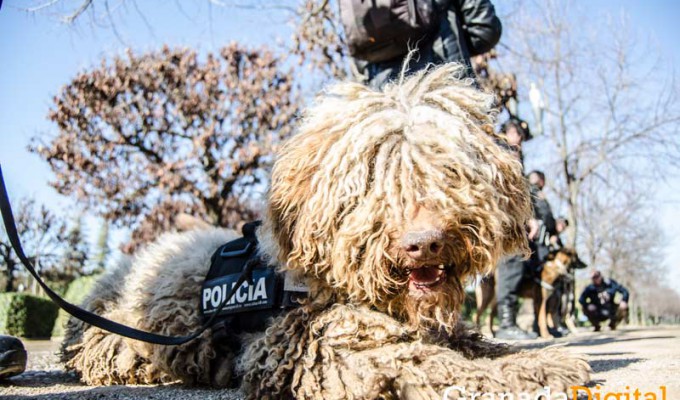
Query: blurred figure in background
point(515, 132)
point(598, 303)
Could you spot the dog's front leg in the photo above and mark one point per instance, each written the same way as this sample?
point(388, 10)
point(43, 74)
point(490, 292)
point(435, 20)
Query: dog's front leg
point(374, 356)
point(356, 353)
point(416, 370)
point(527, 371)
point(340, 353)
point(543, 312)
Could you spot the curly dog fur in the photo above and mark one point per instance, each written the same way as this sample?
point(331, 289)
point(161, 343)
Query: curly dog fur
point(366, 171)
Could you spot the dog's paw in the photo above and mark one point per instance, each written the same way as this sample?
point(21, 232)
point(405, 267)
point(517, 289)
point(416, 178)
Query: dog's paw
point(553, 368)
point(565, 370)
point(221, 375)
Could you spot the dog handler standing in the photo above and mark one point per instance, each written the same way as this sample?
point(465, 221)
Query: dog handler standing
point(510, 271)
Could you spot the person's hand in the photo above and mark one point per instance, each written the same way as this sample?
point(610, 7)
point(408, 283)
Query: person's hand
point(592, 307)
point(533, 229)
point(623, 305)
point(553, 240)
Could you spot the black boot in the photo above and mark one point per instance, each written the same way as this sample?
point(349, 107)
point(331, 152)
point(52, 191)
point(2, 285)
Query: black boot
point(563, 330)
point(509, 329)
point(12, 356)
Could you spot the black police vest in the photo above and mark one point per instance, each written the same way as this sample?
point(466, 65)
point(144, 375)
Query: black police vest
point(267, 295)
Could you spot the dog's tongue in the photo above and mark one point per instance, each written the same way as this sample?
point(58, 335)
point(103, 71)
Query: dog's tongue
point(424, 274)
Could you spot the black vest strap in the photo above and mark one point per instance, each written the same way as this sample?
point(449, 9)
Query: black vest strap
point(87, 316)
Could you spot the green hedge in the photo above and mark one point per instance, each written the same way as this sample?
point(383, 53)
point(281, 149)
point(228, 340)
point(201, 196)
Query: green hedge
point(75, 294)
point(26, 315)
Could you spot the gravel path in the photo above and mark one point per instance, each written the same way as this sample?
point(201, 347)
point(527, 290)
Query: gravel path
point(45, 379)
point(638, 358)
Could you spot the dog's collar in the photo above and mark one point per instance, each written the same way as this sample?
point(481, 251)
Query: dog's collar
point(545, 285)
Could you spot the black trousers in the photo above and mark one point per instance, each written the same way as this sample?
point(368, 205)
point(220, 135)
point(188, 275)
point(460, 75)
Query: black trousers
point(509, 278)
point(512, 271)
point(610, 312)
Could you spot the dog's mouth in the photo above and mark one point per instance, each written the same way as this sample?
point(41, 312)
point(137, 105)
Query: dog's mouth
point(427, 277)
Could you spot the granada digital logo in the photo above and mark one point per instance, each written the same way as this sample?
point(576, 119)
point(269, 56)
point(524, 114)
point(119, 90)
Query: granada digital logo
point(575, 393)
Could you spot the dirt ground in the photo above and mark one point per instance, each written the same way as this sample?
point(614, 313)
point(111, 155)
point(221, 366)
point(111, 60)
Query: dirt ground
point(635, 358)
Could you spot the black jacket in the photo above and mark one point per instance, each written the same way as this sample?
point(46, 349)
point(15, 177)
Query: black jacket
point(542, 210)
point(602, 295)
point(468, 28)
point(481, 28)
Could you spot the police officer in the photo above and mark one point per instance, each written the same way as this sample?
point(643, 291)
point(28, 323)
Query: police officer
point(511, 270)
point(598, 303)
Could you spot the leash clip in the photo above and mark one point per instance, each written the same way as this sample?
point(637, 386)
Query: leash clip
point(237, 253)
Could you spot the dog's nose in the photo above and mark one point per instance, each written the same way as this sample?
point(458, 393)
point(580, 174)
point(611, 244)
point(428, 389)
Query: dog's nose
point(423, 245)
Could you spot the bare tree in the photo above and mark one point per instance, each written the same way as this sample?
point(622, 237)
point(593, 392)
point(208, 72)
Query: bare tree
point(102, 11)
point(145, 137)
point(622, 238)
point(41, 234)
point(317, 40)
point(611, 211)
point(609, 113)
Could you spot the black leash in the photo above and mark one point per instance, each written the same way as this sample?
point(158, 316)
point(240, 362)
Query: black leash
point(94, 319)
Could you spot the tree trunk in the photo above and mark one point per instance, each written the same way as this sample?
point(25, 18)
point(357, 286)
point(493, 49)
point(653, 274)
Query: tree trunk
point(9, 285)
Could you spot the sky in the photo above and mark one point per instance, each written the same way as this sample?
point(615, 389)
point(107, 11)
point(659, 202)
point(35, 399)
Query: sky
point(39, 54)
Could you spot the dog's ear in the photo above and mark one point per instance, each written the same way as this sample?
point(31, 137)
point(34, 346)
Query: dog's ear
point(290, 209)
point(289, 189)
point(515, 204)
point(506, 197)
point(302, 209)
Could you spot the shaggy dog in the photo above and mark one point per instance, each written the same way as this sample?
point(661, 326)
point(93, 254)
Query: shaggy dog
point(386, 202)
